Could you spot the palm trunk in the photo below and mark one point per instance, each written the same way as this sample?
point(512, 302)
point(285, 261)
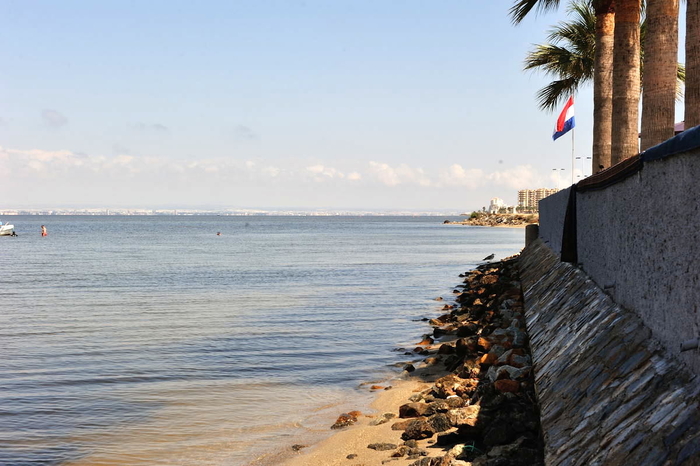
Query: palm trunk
point(625, 117)
point(602, 84)
point(692, 64)
point(660, 72)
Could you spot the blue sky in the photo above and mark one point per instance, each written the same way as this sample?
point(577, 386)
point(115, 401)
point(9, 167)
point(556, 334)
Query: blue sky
point(318, 104)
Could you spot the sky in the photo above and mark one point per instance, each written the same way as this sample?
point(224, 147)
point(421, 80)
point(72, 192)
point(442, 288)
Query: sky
point(332, 104)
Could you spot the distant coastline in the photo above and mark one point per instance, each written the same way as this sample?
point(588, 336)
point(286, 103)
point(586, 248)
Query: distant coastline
point(496, 220)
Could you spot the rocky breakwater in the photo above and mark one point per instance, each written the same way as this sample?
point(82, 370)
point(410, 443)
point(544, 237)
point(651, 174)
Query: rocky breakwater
point(481, 411)
point(496, 220)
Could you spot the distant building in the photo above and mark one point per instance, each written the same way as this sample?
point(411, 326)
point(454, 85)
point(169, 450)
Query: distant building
point(496, 205)
point(529, 199)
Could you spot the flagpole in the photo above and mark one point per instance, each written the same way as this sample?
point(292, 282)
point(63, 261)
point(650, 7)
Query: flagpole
point(573, 156)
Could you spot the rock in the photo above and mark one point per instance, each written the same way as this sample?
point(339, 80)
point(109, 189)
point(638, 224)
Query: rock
point(485, 343)
point(507, 372)
point(438, 406)
point(440, 422)
point(519, 361)
point(467, 416)
point(418, 429)
point(446, 349)
point(427, 340)
point(447, 386)
point(409, 368)
point(507, 386)
point(376, 387)
point(384, 418)
point(411, 443)
point(401, 425)
point(439, 298)
point(455, 401)
point(489, 279)
point(351, 456)
point(412, 410)
point(470, 369)
point(467, 330)
point(427, 462)
point(488, 359)
point(345, 419)
point(297, 447)
point(382, 446)
point(432, 361)
point(448, 439)
point(498, 433)
point(505, 451)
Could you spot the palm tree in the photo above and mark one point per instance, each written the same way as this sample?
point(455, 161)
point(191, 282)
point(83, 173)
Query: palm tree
point(659, 76)
point(574, 62)
point(626, 80)
point(602, 84)
point(602, 78)
point(692, 63)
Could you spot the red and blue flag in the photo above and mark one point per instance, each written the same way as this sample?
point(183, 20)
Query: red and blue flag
point(566, 121)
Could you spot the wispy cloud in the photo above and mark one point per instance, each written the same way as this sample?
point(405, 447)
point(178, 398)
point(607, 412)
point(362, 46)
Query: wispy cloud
point(401, 174)
point(63, 171)
point(53, 118)
point(322, 173)
point(244, 133)
point(155, 127)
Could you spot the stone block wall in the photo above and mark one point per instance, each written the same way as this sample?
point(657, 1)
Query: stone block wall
point(609, 393)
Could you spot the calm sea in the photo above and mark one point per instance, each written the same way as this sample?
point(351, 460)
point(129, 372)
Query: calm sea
point(151, 340)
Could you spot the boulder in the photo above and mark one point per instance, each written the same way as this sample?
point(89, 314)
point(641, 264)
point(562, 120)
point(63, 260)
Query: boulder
point(447, 386)
point(401, 425)
point(507, 386)
point(345, 419)
point(467, 416)
point(418, 429)
point(440, 422)
point(384, 418)
point(412, 410)
point(446, 349)
point(382, 446)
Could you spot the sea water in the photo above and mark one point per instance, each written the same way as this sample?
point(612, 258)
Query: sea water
point(153, 340)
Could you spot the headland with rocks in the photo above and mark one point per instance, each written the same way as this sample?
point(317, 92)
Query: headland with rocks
point(483, 219)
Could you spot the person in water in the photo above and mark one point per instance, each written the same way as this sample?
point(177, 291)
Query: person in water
point(43, 231)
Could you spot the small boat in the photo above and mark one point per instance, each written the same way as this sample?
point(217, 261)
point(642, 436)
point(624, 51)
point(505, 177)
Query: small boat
point(6, 229)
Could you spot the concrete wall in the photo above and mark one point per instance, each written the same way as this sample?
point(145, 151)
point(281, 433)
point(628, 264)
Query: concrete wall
point(552, 212)
point(639, 240)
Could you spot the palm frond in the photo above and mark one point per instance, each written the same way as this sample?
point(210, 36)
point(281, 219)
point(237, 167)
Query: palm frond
point(555, 93)
point(521, 8)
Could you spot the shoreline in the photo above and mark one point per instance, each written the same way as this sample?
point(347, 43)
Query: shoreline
point(470, 401)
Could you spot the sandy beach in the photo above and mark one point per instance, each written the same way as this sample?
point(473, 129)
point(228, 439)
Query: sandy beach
point(336, 449)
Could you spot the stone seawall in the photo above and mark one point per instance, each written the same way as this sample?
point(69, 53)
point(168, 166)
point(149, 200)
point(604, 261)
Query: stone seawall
point(609, 393)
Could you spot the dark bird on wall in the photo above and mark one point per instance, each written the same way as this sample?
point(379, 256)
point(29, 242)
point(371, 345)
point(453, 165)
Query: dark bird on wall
point(489, 257)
